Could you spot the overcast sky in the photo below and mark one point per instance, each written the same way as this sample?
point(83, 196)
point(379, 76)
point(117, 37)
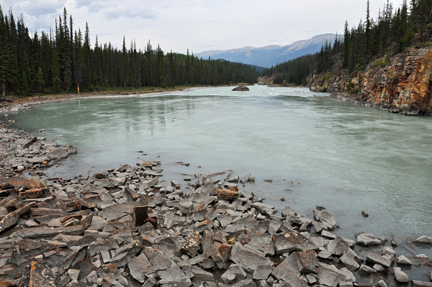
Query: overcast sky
point(198, 25)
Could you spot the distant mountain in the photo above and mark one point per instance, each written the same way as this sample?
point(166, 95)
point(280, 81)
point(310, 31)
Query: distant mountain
point(270, 55)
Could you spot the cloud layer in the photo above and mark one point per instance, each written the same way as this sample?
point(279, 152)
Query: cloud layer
point(198, 25)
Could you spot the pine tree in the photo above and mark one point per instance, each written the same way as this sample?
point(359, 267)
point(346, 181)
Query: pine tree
point(346, 46)
point(4, 54)
point(78, 74)
point(40, 80)
point(160, 63)
point(367, 35)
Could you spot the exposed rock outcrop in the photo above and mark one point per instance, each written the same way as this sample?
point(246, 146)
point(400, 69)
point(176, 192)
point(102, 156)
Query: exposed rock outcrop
point(401, 84)
point(265, 80)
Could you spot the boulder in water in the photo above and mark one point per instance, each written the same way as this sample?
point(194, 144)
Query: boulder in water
point(241, 88)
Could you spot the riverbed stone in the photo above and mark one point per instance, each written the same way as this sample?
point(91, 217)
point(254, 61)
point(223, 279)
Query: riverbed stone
point(376, 258)
point(418, 283)
point(306, 261)
point(400, 276)
point(249, 259)
point(367, 239)
point(281, 271)
point(292, 241)
point(234, 273)
point(192, 244)
point(329, 275)
point(288, 211)
point(157, 259)
point(403, 260)
point(262, 272)
point(174, 275)
point(325, 217)
point(241, 88)
point(140, 268)
point(198, 274)
point(349, 259)
point(424, 240)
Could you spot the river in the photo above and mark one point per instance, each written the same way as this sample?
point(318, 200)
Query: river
point(316, 150)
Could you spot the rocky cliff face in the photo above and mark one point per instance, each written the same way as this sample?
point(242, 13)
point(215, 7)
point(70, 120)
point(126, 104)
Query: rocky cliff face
point(401, 84)
point(265, 80)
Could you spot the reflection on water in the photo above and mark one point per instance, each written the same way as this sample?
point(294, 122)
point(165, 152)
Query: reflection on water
point(345, 157)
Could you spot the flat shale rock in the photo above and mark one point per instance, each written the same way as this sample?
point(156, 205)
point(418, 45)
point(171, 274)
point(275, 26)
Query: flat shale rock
point(423, 240)
point(306, 261)
point(262, 272)
point(234, 273)
point(158, 260)
point(376, 258)
point(140, 268)
point(417, 283)
point(38, 232)
point(367, 239)
point(174, 275)
point(292, 241)
point(249, 259)
point(281, 271)
point(329, 275)
point(40, 275)
point(117, 210)
point(351, 260)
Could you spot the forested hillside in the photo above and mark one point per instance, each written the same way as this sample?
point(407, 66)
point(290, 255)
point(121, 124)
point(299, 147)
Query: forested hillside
point(372, 42)
point(64, 60)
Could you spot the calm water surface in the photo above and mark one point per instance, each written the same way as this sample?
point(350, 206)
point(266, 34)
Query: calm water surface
point(317, 150)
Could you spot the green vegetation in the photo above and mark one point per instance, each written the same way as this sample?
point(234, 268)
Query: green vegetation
point(391, 33)
point(64, 61)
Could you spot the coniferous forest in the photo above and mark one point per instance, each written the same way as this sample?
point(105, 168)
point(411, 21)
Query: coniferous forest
point(64, 60)
point(392, 32)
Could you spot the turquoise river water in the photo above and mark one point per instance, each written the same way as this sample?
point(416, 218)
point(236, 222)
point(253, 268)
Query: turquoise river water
point(316, 150)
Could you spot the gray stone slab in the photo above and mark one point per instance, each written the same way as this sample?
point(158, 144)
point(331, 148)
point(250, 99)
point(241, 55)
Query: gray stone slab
point(174, 275)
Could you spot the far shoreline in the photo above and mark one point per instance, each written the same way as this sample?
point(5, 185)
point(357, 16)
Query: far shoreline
point(14, 103)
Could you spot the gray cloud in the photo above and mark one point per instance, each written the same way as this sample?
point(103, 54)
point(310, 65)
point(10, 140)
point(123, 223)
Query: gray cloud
point(129, 12)
point(198, 25)
point(35, 8)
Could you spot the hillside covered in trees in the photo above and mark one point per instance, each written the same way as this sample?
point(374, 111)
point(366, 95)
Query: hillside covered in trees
point(65, 61)
point(372, 42)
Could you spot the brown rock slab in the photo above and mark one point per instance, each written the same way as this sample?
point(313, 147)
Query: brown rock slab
point(225, 250)
point(40, 275)
point(192, 244)
point(12, 218)
point(31, 194)
point(12, 205)
point(140, 215)
point(35, 182)
point(227, 194)
point(306, 261)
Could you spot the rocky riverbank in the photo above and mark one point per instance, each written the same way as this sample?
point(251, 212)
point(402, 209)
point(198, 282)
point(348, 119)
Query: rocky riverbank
point(398, 84)
point(129, 226)
point(13, 104)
